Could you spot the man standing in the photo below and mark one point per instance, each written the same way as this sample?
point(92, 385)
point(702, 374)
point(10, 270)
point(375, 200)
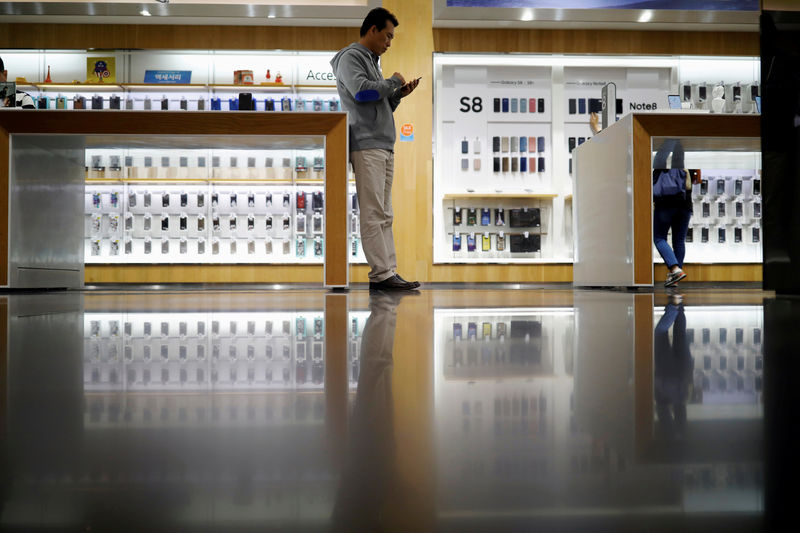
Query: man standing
point(20, 99)
point(370, 101)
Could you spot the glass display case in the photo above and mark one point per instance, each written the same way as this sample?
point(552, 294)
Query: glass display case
point(252, 199)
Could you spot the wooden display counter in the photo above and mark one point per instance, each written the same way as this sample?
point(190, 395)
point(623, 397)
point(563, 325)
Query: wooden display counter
point(165, 124)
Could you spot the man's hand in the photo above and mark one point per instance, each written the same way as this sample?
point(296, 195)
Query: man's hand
point(409, 87)
point(399, 77)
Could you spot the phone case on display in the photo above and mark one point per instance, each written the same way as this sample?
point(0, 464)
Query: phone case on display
point(522, 244)
point(215, 225)
point(513, 105)
point(471, 243)
point(354, 202)
point(704, 235)
point(42, 102)
point(456, 242)
point(703, 186)
point(300, 223)
point(496, 105)
point(540, 167)
point(164, 103)
point(465, 146)
point(523, 144)
point(532, 107)
point(571, 144)
point(300, 247)
point(201, 223)
point(251, 223)
point(465, 164)
point(486, 242)
point(721, 233)
point(525, 218)
point(721, 209)
point(246, 102)
point(541, 105)
point(184, 104)
point(573, 106)
point(232, 222)
point(757, 187)
point(287, 199)
point(129, 103)
point(706, 210)
point(496, 164)
point(690, 234)
point(476, 164)
point(523, 105)
point(233, 104)
point(514, 144)
point(165, 162)
point(523, 164)
point(486, 216)
point(165, 200)
point(114, 102)
point(233, 200)
point(505, 105)
point(269, 104)
point(354, 247)
point(756, 209)
point(582, 106)
point(495, 144)
point(737, 187)
point(570, 165)
point(739, 209)
point(756, 234)
point(457, 216)
point(201, 104)
point(183, 222)
point(301, 200)
point(148, 104)
point(316, 201)
point(514, 164)
point(504, 144)
point(216, 104)
point(531, 164)
point(147, 199)
point(500, 243)
point(505, 164)
point(531, 145)
point(499, 217)
point(540, 144)
point(720, 187)
point(737, 234)
point(581, 140)
point(472, 216)
point(286, 104)
point(97, 102)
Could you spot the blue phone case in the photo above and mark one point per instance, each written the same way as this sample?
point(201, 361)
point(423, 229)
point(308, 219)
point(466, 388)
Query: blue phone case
point(540, 144)
point(513, 105)
point(523, 105)
point(523, 164)
point(523, 144)
point(582, 106)
point(505, 105)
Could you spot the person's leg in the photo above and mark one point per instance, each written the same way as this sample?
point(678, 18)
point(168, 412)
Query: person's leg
point(680, 225)
point(662, 219)
point(677, 155)
point(388, 213)
point(370, 170)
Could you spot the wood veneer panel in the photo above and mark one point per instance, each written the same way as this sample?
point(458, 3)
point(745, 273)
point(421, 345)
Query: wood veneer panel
point(336, 380)
point(203, 273)
point(336, 256)
point(642, 206)
point(157, 36)
point(5, 178)
point(596, 41)
point(746, 272)
point(643, 371)
point(502, 273)
point(701, 125)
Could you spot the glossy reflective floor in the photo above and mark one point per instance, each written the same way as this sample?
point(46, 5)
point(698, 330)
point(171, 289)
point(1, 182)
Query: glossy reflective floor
point(450, 410)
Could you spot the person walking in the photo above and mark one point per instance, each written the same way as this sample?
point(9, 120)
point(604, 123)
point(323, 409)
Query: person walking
point(370, 101)
point(672, 200)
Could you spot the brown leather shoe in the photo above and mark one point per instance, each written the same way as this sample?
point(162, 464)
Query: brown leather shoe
point(392, 284)
point(415, 283)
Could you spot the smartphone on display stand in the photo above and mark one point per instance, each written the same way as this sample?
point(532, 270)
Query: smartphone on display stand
point(496, 105)
point(674, 101)
point(582, 106)
point(505, 105)
point(573, 106)
point(540, 106)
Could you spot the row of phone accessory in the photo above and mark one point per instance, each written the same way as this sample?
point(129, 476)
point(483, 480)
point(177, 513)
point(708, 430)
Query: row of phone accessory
point(250, 199)
point(705, 336)
point(721, 186)
point(510, 164)
point(722, 234)
point(518, 105)
point(97, 162)
point(524, 217)
point(514, 144)
point(111, 223)
point(517, 242)
point(704, 209)
point(116, 247)
point(245, 102)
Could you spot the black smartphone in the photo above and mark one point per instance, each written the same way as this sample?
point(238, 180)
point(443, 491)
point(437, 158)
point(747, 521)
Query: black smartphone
point(571, 144)
point(595, 105)
point(570, 165)
point(704, 235)
point(505, 105)
point(495, 144)
point(701, 93)
point(540, 104)
point(757, 187)
point(721, 234)
point(496, 105)
point(690, 235)
point(737, 234)
point(496, 164)
point(541, 164)
point(572, 106)
point(582, 106)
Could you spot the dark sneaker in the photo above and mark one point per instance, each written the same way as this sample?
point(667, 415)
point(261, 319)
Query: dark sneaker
point(392, 284)
point(674, 277)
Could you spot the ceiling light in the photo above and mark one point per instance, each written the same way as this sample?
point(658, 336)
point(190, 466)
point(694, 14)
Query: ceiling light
point(646, 16)
point(144, 13)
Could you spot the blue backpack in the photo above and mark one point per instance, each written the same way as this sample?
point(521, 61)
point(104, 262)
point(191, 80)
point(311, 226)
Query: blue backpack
point(669, 182)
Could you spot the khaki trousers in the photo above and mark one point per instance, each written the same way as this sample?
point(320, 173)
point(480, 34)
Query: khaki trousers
point(374, 170)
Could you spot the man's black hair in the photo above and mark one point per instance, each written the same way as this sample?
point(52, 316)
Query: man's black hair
point(377, 17)
point(2, 66)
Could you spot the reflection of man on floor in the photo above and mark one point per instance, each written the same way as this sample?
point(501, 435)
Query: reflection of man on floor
point(370, 466)
point(673, 371)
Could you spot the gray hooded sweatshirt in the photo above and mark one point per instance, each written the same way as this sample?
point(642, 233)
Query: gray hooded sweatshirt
point(369, 99)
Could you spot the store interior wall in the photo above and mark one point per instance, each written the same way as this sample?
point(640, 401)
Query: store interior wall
point(411, 54)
